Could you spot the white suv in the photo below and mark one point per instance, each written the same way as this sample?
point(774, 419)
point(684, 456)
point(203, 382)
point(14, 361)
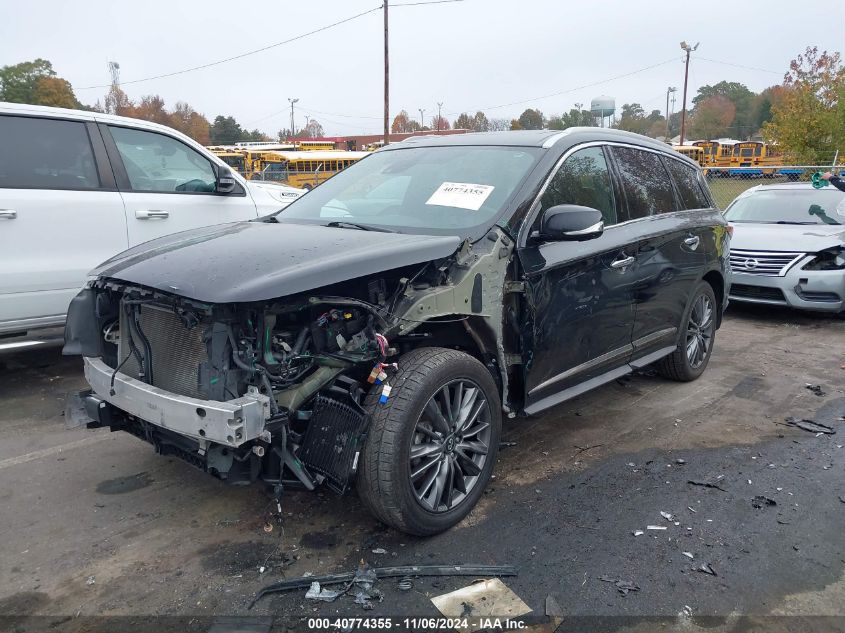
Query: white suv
point(78, 187)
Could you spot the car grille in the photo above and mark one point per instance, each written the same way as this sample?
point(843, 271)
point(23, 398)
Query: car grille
point(176, 350)
point(766, 263)
point(743, 291)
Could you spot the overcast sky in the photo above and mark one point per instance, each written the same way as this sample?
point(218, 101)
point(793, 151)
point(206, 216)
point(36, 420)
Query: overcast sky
point(470, 55)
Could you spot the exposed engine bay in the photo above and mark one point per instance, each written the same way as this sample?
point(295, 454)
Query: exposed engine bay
point(279, 391)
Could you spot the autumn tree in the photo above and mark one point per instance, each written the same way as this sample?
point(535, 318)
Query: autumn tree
point(117, 102)
point(808, 116)
point(150, 108)
point(17, 81)
point(712, 118)
point(439, 123)
point(54, 91)
point(401, 123)
point(743, 124)
point(188, 121)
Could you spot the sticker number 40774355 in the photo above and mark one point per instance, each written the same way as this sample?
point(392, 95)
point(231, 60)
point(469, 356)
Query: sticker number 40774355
point(462, 195)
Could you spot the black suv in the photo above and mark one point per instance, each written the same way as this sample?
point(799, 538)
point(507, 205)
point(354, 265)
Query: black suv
point(375, 332)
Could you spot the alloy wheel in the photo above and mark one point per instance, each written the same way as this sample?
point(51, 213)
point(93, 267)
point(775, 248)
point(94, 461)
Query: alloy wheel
point(700, 331)
point(449, 446)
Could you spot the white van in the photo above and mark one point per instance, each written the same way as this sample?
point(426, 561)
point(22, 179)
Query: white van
point(78, 187)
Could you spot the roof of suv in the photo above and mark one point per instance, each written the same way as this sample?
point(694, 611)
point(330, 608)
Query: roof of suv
point(83, 115)
point(531, 138)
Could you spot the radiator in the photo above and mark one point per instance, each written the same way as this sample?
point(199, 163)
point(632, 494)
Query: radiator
point(176, 350)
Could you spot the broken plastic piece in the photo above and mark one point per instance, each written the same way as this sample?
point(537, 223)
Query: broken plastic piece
point(706, 484)
point(667, 516)
point(705, 568)
point(655, 527)
point(389, 572)
point(816, 389)
point(623, 586)
point(760, 501)
point(485, 598)
point(315, 592)
point(809, 425)
point(385, 394)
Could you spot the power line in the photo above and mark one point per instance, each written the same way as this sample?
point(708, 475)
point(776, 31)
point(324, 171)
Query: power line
point(762, 70)
point(242, 55)
point(563, 92)
point(416, 4)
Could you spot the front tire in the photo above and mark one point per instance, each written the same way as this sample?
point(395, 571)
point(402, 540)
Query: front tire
point(431, 447)
point(698, 334)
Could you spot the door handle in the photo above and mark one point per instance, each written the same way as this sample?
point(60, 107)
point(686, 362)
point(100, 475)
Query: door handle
point(692, 242)
point(623, 263)
point(9, 214)
point(152, 214)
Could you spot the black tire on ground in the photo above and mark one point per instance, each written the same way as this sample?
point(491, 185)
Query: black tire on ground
point(384, 477)
point(307, 187)
point(677, 365)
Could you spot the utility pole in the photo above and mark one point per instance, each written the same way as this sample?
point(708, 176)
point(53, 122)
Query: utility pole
point(439, 105)
point(292, 130)
point(386, 81)
point(688, 49)
point(422, 118)
point(669, 90)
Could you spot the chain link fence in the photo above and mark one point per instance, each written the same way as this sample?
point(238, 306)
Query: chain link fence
point(726, 183)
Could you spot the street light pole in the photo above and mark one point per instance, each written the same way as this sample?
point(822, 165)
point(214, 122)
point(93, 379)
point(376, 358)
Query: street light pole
point(689, 49)
point(386, 80)
point(292, 130)
point(422, 118)
point(439, 105)
point(669, 90)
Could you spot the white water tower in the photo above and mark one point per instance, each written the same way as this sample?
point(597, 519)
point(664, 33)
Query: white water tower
point(602, 108)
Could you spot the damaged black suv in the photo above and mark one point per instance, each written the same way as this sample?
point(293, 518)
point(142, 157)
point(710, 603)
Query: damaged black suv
point(374, 332)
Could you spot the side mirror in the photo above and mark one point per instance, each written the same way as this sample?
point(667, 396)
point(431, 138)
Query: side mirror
point(571, 222)
point(225, 181)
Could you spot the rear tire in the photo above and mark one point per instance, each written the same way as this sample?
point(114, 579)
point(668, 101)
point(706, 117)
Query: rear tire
point(698, 334)
point(409, 421)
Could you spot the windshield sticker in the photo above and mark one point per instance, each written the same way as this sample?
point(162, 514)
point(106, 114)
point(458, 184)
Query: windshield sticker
point(462, 195)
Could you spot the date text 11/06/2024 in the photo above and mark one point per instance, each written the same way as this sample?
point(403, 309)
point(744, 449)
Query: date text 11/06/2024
point(415, 624)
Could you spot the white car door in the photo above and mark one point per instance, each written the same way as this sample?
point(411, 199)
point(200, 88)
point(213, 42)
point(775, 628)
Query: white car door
point(60, 216)
point(168, 186)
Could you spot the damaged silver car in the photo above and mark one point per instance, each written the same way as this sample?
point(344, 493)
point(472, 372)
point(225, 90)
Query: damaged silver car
point(375, 332)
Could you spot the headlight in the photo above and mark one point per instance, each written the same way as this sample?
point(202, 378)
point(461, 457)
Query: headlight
point(828, 259)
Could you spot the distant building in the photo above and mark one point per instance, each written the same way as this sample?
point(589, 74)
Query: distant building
point(361, 141)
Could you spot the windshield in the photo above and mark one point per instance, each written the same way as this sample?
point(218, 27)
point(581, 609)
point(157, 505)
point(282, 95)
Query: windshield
point(451, 190)
point(779, 206)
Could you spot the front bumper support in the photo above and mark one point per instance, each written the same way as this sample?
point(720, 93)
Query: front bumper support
point(231, 423)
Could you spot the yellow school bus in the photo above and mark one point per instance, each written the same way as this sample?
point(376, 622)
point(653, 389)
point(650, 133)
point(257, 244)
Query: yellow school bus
point(315, 145)
point(691, 151)
point(232, 158)
point(303, 169)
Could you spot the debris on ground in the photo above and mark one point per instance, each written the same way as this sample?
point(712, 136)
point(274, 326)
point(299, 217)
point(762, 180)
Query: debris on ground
point(481, 599)
point(688, 555)
point(667, 516)
point(506, 444)
point(810, 425)
point(315, 592)
point(405, 584)
point(691, 509)
point(623, 586)
point(705, 568)
point(379, 550)
point(816, 389)
point(680, 461)
point(655, 527)
point(760, 501)
point(90, 580)
point(400, 571)
point(640, 532)
point(708, 484)
point(363, 588)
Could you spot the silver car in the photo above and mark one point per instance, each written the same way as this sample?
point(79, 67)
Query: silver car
point(788, 247)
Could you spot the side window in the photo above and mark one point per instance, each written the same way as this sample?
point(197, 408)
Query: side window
point(645, 182)
point(583, 179)
point(159, 163)
point(39, 153)
point(688, 184)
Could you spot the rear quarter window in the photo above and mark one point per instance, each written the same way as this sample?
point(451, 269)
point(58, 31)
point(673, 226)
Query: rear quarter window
point(645, 182)
point(41, 153)
point(688, 185)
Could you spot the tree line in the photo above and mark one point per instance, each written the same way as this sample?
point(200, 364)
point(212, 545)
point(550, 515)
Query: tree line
point(36, 82)
point(805, 114)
